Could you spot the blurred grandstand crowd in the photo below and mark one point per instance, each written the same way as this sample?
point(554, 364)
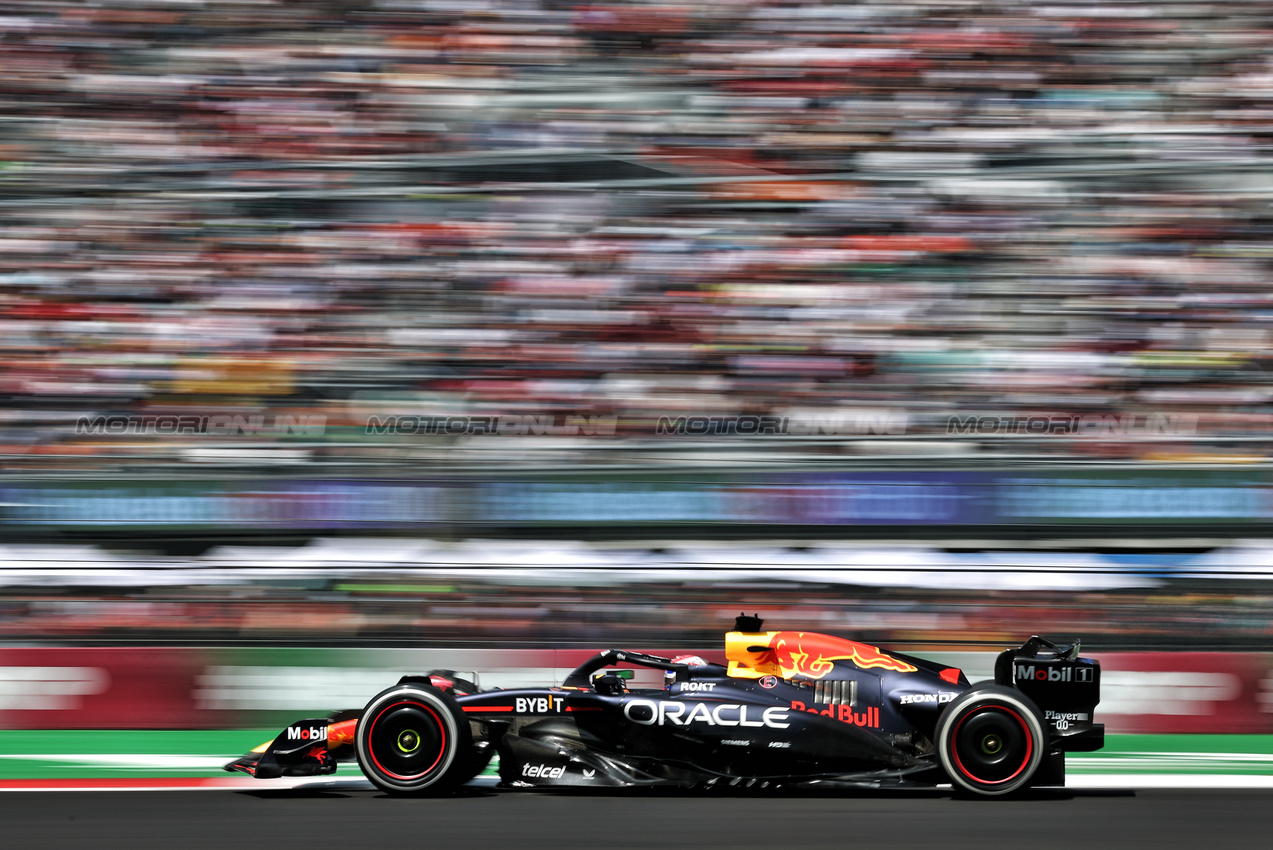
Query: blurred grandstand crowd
point(473, 612)
point(500, 207)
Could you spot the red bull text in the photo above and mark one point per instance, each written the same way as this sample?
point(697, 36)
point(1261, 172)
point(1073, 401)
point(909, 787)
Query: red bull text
point(844, 713)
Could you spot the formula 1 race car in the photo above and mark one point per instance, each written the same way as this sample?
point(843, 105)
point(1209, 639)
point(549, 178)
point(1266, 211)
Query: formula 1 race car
point(789, 708)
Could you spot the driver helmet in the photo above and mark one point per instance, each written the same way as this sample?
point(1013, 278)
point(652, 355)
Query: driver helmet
point(669, 676)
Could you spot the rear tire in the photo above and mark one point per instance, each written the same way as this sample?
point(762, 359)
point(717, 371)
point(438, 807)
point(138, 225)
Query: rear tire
point(413, 739)
point(991, 740)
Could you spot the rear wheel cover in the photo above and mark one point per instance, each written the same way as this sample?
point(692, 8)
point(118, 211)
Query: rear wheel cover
point(991, 741)
point(409, 740)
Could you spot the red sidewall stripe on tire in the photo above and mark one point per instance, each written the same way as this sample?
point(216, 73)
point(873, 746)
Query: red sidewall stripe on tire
point(954, 746)
point(371, 730)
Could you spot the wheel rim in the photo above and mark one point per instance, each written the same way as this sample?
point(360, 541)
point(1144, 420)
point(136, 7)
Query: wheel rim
point(406, 740)
point(992, 745)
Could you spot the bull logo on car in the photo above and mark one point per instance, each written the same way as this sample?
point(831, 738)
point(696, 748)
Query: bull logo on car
point(814, 656)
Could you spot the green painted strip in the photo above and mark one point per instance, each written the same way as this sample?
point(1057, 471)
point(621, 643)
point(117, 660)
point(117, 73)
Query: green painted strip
point(46, 754)
point(1188, 743)
point(1228, 754)
point(234, 742)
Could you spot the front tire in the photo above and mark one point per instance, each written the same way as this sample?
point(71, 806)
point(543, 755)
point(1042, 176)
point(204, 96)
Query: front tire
point(991, 740)
point(413, 739)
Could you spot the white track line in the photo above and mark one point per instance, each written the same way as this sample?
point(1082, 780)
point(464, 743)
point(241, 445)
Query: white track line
point(128, 761)
point(1149, 781)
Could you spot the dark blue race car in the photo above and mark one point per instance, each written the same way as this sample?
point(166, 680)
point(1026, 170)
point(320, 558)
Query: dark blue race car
point(788, 708)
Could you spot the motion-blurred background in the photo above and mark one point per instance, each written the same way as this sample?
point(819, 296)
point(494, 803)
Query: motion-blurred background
point(338, 333)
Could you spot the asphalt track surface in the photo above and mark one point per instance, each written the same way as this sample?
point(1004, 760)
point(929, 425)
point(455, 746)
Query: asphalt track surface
point(520, 820)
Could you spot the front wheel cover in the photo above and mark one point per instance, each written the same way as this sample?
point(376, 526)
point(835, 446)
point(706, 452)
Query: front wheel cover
point(991, 741)
point(410, 738)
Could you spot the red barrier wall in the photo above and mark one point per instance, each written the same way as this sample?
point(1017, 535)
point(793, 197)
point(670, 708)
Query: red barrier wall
point(100, 688)
point(1170, 692)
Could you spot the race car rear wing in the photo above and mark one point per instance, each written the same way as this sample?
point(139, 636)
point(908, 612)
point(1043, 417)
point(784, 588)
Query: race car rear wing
point(1064, 685)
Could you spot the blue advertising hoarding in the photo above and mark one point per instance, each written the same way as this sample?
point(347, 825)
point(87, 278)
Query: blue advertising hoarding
point(881, 498)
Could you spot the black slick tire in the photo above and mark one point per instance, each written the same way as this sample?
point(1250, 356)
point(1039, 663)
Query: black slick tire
point(414, 739)
point(991, 740)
